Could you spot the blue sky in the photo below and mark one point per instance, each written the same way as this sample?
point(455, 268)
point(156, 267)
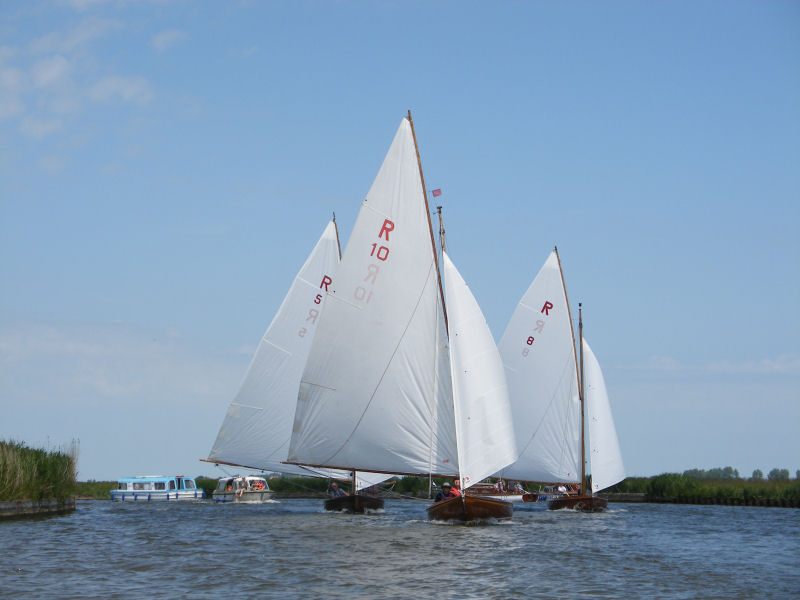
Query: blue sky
point(165, 168)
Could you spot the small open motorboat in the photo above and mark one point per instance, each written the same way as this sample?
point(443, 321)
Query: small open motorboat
point(246, 490)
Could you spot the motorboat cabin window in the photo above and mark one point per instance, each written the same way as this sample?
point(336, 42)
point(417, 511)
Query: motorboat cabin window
point(172, 484)
point(161, 485)
point(189, 484)
point(122, 486)
point(138, 485)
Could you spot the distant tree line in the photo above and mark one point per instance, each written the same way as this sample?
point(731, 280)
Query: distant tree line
point(718, 473)
point(723, 473)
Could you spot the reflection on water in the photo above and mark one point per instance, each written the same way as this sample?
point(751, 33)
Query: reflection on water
point(293, 549)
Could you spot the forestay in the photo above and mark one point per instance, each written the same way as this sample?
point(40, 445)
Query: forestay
point(605, 457)
point(483, 417)
point(375, 394)
point(538, 353)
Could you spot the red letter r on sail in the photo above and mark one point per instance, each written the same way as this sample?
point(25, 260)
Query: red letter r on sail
point(547, 306)
point(387, 227)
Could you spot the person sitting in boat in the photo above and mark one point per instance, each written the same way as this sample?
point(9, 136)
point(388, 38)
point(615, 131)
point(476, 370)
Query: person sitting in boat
point(336, 491)
point(456, 489)
point(518, 488)
point(445, 493)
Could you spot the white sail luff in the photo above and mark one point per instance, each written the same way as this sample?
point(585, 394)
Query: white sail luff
point(370, 398)
point(539, 357)
point(257, 427)
point(485, 432)
point(605, 458)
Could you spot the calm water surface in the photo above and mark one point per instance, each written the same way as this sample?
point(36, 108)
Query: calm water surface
point(293, 549)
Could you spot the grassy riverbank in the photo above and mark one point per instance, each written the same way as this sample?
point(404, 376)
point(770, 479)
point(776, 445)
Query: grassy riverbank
point(35, 474)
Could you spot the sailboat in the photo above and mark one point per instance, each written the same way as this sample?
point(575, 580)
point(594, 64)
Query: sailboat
point(378, 392)
point(257, 426)
point(551, 398)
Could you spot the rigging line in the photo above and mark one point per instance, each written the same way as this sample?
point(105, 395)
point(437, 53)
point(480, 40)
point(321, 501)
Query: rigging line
point(391, 361)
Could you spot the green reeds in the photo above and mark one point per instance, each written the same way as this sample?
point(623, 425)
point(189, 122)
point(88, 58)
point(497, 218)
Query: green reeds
point(681, 486)
point(35, 474)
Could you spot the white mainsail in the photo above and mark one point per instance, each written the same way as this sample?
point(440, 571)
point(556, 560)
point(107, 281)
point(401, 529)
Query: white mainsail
point(538, 353)
point(485, 433)
point(375, 394)
point(605, 457)
point(256, 430)
point(258, 425)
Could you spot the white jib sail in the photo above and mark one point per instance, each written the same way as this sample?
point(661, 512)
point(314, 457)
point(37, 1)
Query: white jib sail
point(538, 352)
point(375, 394)
point(485, 433)
point(605, 457)
point(258, 425)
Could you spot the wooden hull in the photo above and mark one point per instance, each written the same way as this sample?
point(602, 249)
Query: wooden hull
point(470, 508)
point(353, 504)
point(581, 503)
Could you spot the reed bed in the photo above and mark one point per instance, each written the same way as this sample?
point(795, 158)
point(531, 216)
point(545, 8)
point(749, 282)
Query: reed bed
point(37, 474)
point(675, 485)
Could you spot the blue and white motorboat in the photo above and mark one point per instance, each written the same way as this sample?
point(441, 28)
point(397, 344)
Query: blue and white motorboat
point(156, 487)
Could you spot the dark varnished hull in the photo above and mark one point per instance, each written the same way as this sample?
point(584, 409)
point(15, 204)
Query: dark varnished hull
point(470, 508)
point(581, 503)
point(354, 504)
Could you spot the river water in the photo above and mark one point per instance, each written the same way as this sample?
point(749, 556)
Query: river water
point(293, 549)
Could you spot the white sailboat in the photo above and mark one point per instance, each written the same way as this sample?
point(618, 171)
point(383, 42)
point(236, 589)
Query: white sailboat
point(256, 430)
point(377, 393)
point(539, 354)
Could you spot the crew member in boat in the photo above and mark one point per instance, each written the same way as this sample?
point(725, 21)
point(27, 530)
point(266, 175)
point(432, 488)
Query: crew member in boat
point(445, 493)
point(456, 489)
point(336, 491)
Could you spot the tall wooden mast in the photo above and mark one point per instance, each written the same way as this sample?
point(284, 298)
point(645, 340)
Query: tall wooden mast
point(441, 229)
point(338, 243)
point(583, 419)
point(430, 224)
point(579, 373)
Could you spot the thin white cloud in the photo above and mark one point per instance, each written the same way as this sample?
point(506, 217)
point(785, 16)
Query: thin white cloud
point(786, 364)
point(167, 39)
point(52, 164)
point(108, 364)
point(247, 52)
point(39, 128)
point(82, 5)
point(11, 86)
point(134, 90)
point(51, 71)
point(74, 40)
